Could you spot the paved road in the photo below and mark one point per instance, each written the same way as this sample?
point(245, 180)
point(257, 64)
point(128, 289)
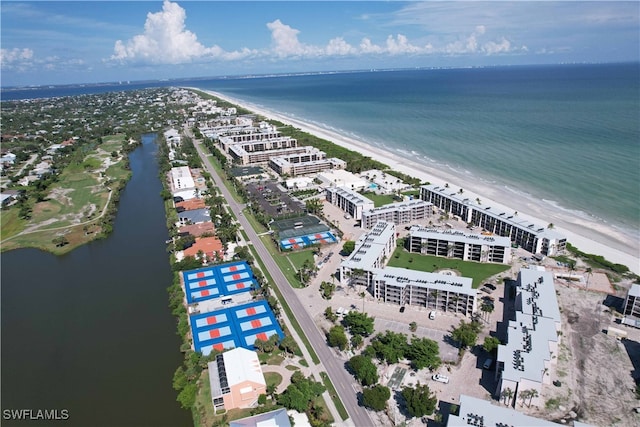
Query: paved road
point(341, 379)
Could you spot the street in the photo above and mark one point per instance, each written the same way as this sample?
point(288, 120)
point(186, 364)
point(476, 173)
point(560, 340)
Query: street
point(334, 367)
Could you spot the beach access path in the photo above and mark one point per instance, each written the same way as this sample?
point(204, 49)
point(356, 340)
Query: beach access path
point(341, 379)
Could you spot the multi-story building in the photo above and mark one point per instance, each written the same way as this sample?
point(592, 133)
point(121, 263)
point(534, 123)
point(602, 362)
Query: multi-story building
point(397, 213)
point(460, 245)
point(372, 251)
point(632, 307)
point(430, 290)
point(366, 266)
point(533, 339)
point(236, 379)
point(479, 412)
point(308, 162)
point(529, 236)
point(260, 152)
point(182, 183)
point(351, 202)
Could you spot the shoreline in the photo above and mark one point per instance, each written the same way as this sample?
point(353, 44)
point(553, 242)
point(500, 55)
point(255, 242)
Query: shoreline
point(588, 236)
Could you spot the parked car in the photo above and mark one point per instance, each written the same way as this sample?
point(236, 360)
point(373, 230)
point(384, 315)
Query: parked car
point(490, 286)
point(402, 309)
point(432, 315)
point(440, 378)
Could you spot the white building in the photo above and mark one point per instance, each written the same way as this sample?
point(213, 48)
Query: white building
point(366, 266)
point(384, 182)
point(182, 183)
point(398, 213)
point(310, 161)
point(479, 412)
point(460, 245)
point(349, 201)
point(531, 350)
point(236, 379)
point(422, 289)
point(342, 178)
point(530, 237)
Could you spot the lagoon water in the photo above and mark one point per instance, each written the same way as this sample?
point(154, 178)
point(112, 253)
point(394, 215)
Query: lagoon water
point(91, 331)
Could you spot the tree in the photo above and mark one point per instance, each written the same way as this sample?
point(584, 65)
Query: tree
point(289, 345)
point(589, 272)
point(330, 315)
point(357, 341)
point(327, 289)
point(60, 241)
point(348, 247)
point(359, 323)
point(507, 395)
point(524, 395)
point(490, 344)
point(533, 393)
point(420, 400)
point(376, 397)
point(390, 346)
point(487, 308)
point(413, 326)
point(466, 333)
point(363, 369)
point(423, 353)
point(337, 337)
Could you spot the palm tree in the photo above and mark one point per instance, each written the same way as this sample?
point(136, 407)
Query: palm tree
point(524, 395)
point(486, 308)
point(362, 294)
point(550, 226)
point(589, 272)
point(478, 201)
point(507, 395)
point(533, 393)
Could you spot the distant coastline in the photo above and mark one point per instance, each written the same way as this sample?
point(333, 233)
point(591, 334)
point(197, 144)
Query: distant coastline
point(588, 236)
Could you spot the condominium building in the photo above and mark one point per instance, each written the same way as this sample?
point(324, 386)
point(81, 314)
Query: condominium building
point(247, 154)
point(372, 250)
point(310, 161)
point(480, 412)
point(430, 290)
point(530, 237)
point(632, 307)
point(460, 245)
point(257, 141)
point(366, 266)
point(397, 213)
point(351, 202)
point(533, 339)
point(236, 379)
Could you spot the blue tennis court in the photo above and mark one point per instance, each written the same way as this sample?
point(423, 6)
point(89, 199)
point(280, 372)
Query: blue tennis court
point(217, 281)
point(308, 240)
point(233, 327)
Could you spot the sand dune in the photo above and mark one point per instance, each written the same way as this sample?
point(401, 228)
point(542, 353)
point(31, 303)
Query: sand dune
point(587, 235)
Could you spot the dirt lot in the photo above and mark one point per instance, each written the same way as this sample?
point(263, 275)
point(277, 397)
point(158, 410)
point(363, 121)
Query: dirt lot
point(596, 371)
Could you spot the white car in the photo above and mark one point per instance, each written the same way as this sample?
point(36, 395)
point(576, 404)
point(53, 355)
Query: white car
point(432, 315)
point(440, 378)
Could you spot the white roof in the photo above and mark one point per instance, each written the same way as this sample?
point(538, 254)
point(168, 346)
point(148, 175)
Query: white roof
point(182, 179)
point(370, 246)
point(634, 291)
point(242, 365)
point(459, 236)
point(402, 277)
point(474, 411)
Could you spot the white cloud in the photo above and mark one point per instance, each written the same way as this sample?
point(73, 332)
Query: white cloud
point(166, 41)
point(14, 56)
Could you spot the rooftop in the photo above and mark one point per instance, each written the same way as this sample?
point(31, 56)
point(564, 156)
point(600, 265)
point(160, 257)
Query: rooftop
point(482, 413)
point(402, 277)
point(458, 236)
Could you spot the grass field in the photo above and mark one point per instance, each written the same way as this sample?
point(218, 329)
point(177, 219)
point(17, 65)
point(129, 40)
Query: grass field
point(379, 199)
point(479, 272)
point(298, 258)
point(272, 379)
point(74, 202)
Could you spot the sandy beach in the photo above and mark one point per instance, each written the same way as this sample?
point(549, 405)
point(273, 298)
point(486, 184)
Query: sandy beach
point(586, 234)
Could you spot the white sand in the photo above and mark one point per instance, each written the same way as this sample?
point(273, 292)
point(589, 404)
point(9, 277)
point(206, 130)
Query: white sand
point(586, 234)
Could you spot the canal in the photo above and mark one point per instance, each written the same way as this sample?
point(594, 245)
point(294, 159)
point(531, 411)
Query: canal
point(91, 331)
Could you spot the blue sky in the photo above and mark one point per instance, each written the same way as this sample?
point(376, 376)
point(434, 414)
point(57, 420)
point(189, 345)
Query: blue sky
point(84, 41)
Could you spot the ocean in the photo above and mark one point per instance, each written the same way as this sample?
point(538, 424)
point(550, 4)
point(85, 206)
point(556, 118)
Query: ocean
point(564, 136)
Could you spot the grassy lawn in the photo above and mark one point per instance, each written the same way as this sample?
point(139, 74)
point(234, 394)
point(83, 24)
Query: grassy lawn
point(334, 396)
point(479, 272)
point(78, 197)
point(298, 258)
point(283, 262)
point(379, 199)
point(10, 222)
point(203, 414)
point(272, 379)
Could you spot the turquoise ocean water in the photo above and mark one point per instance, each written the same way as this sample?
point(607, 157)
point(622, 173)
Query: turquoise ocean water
point(564, 135)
